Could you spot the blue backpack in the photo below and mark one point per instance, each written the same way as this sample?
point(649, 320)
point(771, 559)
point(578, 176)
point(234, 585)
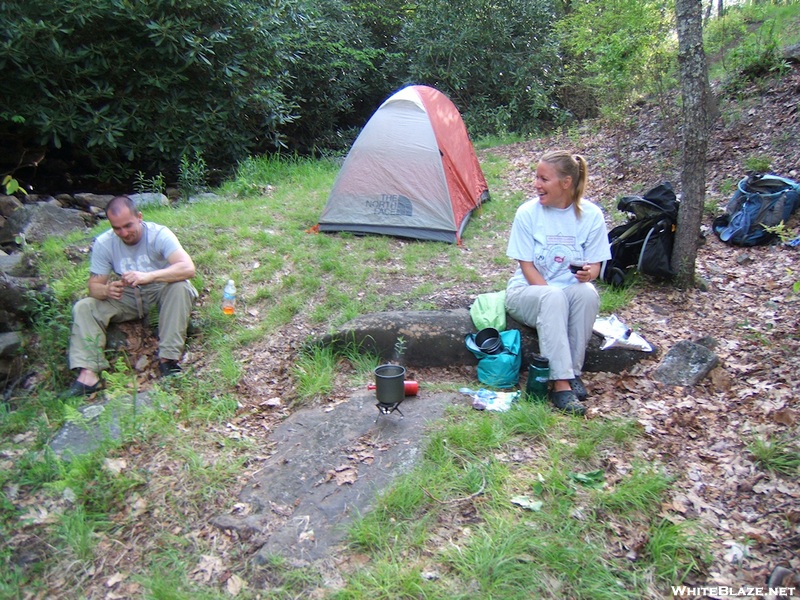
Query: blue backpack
point(499, 370)
point(760, 201)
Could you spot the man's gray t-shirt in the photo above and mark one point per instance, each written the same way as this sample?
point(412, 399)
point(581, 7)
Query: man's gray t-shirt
point(150, 254)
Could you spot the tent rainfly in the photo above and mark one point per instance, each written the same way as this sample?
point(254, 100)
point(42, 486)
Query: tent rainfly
point(412, 172)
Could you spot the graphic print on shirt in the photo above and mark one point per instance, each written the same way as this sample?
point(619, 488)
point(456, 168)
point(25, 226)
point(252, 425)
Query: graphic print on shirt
point(560, 250)
point(136, 263)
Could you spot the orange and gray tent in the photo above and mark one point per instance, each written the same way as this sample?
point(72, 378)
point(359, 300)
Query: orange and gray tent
point(412, 172)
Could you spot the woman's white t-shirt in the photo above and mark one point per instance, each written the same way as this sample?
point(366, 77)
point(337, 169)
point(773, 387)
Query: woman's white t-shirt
point(551, 238)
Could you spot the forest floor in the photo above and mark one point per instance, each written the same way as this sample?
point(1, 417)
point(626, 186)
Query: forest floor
point(706, 434)
point(749, 312)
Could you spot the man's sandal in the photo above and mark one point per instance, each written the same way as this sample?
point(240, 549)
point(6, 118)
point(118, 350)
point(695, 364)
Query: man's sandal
point(78, 389)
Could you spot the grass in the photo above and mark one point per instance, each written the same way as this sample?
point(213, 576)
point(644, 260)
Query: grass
point(777, 455)
point(447, 530)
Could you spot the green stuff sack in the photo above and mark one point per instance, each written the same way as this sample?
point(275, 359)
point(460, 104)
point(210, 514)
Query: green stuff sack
point(489, 310)
point(499, 370)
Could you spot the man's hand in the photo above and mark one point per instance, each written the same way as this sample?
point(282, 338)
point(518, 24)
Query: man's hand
point(136, 278)
point(114, 290)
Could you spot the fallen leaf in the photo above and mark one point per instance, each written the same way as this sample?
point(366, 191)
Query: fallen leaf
point(138, 507)
point(208, 568)
point(116, 465)
point(234, 585)
point(306, 536)
point(721, 379)
point(342, 475)
point(529, 503)
point(736, 553)
point(281, 509)
point(115, 579)
point(785, 417)
point(360, 560)
point(676, 505)
point(593, 479)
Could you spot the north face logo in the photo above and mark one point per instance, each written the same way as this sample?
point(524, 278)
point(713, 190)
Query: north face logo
point(394, 205)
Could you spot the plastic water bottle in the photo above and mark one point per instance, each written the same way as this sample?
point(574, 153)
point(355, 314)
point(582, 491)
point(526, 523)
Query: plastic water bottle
point(538, 379)
point(229, 297)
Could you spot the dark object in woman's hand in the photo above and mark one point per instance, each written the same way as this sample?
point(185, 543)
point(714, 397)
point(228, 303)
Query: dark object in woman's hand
point(575, 267)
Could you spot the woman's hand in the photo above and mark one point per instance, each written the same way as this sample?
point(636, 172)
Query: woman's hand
point(589, 272)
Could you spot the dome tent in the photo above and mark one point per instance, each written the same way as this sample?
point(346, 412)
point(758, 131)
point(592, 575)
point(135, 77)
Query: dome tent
point(412, 172)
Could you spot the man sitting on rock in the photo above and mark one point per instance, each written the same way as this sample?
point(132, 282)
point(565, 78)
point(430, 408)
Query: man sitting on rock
point(153, 269)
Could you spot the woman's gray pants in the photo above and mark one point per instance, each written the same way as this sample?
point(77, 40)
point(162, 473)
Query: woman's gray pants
point(563, 319)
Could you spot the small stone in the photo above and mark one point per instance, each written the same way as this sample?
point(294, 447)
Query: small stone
point(686, 363)
point(87, 200)
point(9, 343)
point(707, 341)
point(69, 495)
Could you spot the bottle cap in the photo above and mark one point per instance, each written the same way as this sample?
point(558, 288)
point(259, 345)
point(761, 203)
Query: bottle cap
point(540, 362)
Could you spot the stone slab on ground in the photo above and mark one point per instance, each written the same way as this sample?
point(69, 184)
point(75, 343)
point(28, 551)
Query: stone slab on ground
point(435, 338)
point(327, 469)
point(100, 422)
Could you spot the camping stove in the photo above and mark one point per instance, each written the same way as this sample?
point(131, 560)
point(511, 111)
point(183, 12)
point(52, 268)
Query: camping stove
point(387, 409)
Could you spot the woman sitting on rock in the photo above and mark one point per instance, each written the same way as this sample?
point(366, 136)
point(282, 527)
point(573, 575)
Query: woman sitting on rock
point(549, 233)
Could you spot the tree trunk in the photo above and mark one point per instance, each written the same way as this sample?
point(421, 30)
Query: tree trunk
point(694, 86)
point(721, 9)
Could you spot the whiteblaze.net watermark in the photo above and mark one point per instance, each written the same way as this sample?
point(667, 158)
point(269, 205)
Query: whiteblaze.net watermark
point(682, 591)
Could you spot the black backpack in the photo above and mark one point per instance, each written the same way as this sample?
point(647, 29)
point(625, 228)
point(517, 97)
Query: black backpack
point(645, 241)
point(759, 201)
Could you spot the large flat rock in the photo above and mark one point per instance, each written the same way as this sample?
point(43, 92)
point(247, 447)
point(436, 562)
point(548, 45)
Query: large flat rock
point(328, 467)
point(435, 338)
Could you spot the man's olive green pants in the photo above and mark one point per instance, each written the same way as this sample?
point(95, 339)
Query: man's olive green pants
point(91, 318)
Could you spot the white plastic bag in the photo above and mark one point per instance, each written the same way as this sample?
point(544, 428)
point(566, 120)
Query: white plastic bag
point(619, 335)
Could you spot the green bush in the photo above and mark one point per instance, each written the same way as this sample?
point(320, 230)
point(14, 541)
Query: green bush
point(624, 48)
point(144, 83)
point(496, 61)
point(338, 77)
point(757, 55)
